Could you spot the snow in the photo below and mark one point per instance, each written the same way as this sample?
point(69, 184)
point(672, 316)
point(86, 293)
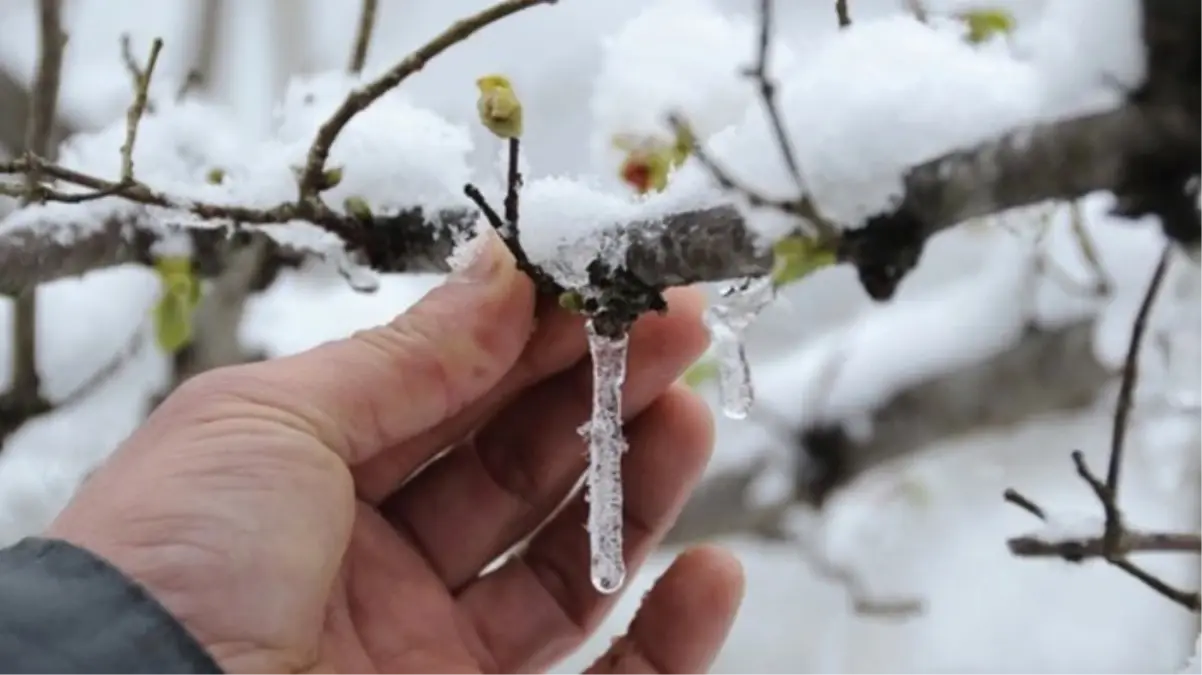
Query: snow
point(682, 56)
point(904, 343)
point(861, 105)
point(1070, 526)
point(1194, 665)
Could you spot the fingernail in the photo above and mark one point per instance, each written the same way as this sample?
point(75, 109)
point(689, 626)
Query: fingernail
point(479, 259)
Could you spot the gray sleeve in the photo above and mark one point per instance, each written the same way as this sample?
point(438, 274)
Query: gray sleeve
point(65, 610)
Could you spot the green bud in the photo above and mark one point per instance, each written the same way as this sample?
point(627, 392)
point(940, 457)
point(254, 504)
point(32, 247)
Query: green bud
point(796, 257)
point(572, 301)
point(331, 178)
point(700, 372)
point(357, 207)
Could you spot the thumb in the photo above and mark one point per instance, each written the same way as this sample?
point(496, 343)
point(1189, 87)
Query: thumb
point(684, 620)
point(379, 387)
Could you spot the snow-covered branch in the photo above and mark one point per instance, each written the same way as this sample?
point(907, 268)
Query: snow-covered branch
point(1059, 160)
point(1047, 371)
point(1151, 135)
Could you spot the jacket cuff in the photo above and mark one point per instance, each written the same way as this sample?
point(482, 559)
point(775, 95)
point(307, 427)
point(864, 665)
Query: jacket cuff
point(64, 609)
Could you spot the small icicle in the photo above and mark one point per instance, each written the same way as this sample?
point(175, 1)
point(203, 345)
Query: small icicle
point(727, 322)
point(359, 277)
point(606, 445)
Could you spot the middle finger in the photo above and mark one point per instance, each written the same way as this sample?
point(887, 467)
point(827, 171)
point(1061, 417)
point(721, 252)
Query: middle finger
point(474, 504)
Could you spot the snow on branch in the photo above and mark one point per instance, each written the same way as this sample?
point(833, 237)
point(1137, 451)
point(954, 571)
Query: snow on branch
point(1059, 160)
point(1063, 159)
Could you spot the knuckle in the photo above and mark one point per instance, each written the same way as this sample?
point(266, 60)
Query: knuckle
point(411, 349)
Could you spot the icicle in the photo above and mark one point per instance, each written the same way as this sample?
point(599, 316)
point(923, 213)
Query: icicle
point(727, 322)
point(606, 445)
point(358, 276)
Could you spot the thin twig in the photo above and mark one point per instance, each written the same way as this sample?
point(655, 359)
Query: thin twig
point(367, 22)
point(311, 178)
point(1112, 549)
point(513, 185)
point(1018, 499)
point(44, 93)
point(206, 48)
point(802, 206)
point(14, 116)
point(1103, 284)
point(1122, 410)
point(24, 399)
point(918, 10)
point(767, 89)
point(1076, 550)
point(1116, 541)
point(842, 13)
point(506, 228)
point(139, 192)
point(133, 117)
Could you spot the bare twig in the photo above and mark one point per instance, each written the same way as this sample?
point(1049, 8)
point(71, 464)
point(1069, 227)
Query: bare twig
point(1116, 541)
point(1122, 410)
point(1113, 545)
point(918, 10)
point(1075, 550)
point(205, 49)
point(24, 399)
point(513, 185)
point(1103, 284)
point(1018, 499)
point(133, 117)
point(14, 117)
point(311, 177)
point(367, 22)
point(801, 206)
point(46, 84)
point(842, 13)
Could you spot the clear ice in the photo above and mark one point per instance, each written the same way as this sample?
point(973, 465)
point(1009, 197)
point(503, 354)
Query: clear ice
point(606, 445)
point(727, 321)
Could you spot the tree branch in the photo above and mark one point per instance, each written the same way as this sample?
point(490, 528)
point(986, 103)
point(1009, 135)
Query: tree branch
point(1116, 541)
point(311, 178)
point(24, 400)
point(1082, 548)
point(1047, 371)
point(15, 101)
point(363, 30)
point(1059, 160)
point(1113, 545)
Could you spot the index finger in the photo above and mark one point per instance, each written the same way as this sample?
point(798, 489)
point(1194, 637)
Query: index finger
point(384, 385)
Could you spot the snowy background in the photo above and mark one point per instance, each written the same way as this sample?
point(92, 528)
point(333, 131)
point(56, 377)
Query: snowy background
point(860, 106)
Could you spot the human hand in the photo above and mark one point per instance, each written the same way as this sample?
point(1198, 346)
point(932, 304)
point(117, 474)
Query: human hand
point(278, 511)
